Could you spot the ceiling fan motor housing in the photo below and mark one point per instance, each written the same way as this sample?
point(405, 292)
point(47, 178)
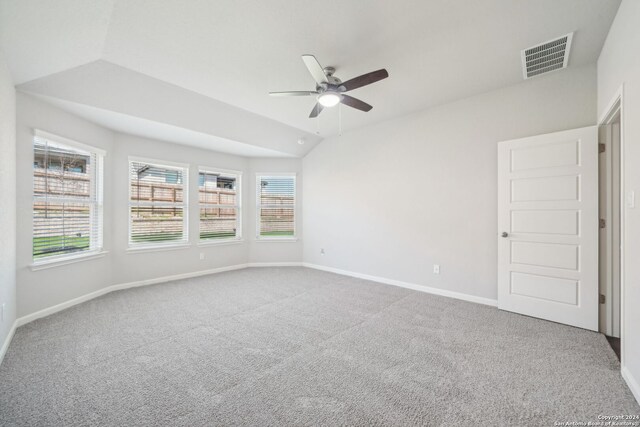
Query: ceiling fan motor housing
point(330, 89)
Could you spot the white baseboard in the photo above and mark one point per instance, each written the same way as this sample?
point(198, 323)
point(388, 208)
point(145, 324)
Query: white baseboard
point(59, 307)
point(176, 277)
point(7, 341)
point(633, 384)
point(415, 287)
point(275, 264)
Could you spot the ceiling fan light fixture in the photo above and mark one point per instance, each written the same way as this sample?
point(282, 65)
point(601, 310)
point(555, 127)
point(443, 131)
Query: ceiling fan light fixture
point(329, 99)
point(329, 89)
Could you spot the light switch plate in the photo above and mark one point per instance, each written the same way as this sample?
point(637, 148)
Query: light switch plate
point(631, 199)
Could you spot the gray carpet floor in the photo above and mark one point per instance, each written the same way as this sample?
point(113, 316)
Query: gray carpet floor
point(294, 346)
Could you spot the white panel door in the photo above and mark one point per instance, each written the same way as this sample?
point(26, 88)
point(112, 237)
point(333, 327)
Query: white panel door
point(548, 227)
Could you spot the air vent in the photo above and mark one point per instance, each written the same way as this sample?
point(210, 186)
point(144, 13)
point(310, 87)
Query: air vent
point(546, 57)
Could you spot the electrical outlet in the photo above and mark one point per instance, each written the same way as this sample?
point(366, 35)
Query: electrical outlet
point(436, 269)
point(321, 251)
point(201, 256)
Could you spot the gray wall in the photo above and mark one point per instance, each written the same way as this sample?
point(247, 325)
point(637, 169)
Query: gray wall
point(619, 64)
point(393, 199)
point(135, 265)
point(46, 288)
point(42, 289)
point(130, 266)
point(7, 200)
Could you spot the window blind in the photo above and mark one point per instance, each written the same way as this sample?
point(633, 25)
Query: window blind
point(157, 207)
point(276, 206)
point(219, 199)
point(67, 199)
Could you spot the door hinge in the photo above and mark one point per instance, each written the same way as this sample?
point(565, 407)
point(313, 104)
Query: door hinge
point(601, 148)
point(603, 223)
point(602, 298)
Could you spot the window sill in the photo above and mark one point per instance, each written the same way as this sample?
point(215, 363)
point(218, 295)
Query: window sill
point(276, 239)
point(220, 242)
point(52, 263)
point(157, 248)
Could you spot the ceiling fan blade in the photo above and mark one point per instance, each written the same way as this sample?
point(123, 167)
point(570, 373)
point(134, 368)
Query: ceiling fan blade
point(355, 103)
point(295, 93)
point(365, 79)
point(314, 67)
point(316, 110)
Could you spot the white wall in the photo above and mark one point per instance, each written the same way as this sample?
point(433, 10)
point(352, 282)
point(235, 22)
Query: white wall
point(44, 288)
point(7, 200)
point(134, 265)
point(393, 199)
point(619, 64)
point(129, 265)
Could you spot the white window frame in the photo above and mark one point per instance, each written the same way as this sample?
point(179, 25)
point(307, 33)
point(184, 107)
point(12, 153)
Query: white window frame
point(230, 173)
point(259, 206)
point(135, 246)
point(96, 200)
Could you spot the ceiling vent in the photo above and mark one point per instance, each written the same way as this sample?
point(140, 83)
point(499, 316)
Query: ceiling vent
point(546, 57)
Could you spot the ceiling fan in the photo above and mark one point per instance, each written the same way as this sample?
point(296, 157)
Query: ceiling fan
point(330, 90)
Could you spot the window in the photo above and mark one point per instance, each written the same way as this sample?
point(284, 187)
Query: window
point(67, 198)
point(276, 206)
point(219, 198)
point(157, 203)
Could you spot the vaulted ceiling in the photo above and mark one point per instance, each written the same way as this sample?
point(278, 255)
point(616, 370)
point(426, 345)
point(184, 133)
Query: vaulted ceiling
point(204, 67)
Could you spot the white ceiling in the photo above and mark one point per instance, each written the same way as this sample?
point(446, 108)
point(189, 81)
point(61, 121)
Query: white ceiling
point(134, 125)
point(105, 93)
point(436, 51)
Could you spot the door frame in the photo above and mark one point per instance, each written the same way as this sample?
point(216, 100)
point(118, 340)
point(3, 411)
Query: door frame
point(615, 106)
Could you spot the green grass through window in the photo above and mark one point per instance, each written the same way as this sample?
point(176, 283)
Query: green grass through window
point(156, 237)
point(277, 233)
point(57, 245)
point(217, 235)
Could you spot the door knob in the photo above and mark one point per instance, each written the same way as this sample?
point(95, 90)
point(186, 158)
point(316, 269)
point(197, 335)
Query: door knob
point(505, 234)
